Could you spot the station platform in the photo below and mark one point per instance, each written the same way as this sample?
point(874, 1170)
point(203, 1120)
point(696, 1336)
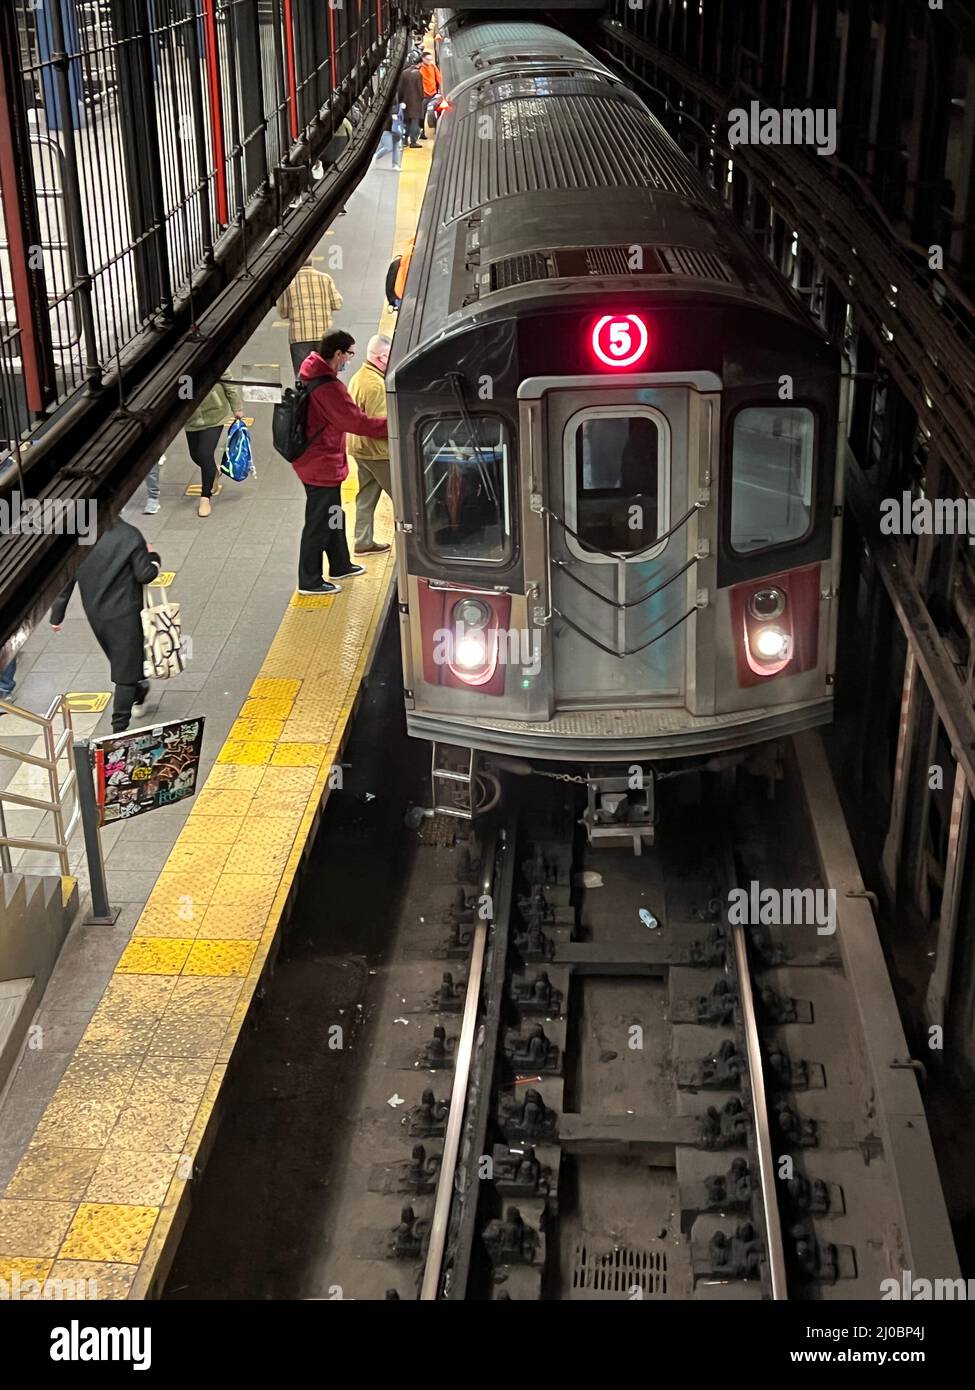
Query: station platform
point(106, 1120)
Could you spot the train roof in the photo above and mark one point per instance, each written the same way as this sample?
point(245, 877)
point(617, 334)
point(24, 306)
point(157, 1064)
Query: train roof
point(473, 48)
point(551, 176)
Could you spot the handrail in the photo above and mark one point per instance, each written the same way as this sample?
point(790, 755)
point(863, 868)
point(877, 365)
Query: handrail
point(56, 746)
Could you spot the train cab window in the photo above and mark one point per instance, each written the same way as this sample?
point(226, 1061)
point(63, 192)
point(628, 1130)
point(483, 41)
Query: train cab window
point(620, 479)
point(466, 503)
point(771, 476)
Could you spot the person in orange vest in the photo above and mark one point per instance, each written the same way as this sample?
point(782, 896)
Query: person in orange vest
point(404, 270)
point(432, 81)
point(430, 76)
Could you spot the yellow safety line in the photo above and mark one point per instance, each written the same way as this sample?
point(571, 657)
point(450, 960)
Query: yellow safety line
point(101, 1191)
point(412, 185)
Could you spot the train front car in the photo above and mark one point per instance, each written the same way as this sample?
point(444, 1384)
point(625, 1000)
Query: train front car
point(614, 440)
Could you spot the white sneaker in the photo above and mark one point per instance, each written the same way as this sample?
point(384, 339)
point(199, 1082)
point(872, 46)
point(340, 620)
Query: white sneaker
point(152, 506)
point(139, 708)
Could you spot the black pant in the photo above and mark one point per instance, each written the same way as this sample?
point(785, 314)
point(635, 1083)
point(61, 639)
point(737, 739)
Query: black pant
point(412, 131)
point(299, 351)
point(125, 697)
point(203, 447)
point(323, 505)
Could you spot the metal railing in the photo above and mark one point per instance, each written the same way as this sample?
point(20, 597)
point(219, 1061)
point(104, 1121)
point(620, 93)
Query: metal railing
point(57, 746)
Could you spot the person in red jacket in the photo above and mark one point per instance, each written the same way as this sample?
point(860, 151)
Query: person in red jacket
point(332, 413)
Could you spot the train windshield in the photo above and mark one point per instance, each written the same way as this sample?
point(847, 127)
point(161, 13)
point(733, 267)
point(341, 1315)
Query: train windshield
point(620, 481)
point(771, 476)
point(465, 488)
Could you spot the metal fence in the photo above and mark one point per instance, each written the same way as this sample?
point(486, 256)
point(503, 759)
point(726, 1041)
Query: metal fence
point(133, 134)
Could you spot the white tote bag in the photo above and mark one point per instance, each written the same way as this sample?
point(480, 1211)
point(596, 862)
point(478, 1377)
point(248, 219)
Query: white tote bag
point(161, 635)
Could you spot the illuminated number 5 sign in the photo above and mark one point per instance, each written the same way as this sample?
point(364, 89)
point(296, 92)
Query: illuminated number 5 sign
point(619, 340)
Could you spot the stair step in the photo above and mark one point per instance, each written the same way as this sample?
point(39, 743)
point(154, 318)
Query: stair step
point(14, 890)
point(13, 996)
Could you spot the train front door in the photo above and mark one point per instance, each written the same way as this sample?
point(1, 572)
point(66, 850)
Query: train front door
point(622, 483)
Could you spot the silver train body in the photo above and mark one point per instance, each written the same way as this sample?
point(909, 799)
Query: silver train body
point(613, 432)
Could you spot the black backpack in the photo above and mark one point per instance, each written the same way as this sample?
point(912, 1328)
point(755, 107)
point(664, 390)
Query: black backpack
point(289, 419)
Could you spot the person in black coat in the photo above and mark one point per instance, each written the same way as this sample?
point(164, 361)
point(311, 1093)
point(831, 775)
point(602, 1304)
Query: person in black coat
point(110, 579)
point(412, 97)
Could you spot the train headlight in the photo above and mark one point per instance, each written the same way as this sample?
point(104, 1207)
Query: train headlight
point(471, 652)
point(777, 622)
point(475, 644)
point(771, 644)
point(767, 604)
point(471, 613)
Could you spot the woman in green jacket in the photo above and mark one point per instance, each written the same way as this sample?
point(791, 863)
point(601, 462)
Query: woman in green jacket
point(203, 431)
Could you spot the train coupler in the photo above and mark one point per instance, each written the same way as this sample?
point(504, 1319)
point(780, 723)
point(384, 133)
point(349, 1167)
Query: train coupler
point(620, 808)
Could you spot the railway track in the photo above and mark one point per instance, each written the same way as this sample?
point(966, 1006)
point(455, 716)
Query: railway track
point(600, 1076)
point(746, 1243)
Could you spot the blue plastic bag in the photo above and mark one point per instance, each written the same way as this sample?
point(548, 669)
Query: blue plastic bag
point(238, 461)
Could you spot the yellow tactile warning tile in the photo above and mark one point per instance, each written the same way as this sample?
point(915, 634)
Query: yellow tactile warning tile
point(242, 890)
point(262, 728)
point(299, 755)
point(131, 1177)
point(231, 777)
point(246, 752)
point(155, 955)
point(233, 923)
point(109, 1231)
point(53, 1174)
point(99, 1278)
point(279, 689)
point(212, 830)
point(219, 958)
point(163, 916)
point(33, 1230)
point(311, 602)
point(222, 804)
point(105, 1174)
point(15, 1273)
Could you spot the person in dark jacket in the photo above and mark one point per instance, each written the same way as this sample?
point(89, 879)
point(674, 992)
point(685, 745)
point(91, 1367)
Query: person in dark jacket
point(412, 97)
point(110, 579)
point(325, 464)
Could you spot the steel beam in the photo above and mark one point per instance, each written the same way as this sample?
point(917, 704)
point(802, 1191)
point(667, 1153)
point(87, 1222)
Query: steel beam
point(895, 569)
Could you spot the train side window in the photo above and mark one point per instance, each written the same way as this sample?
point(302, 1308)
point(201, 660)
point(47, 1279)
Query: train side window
point(771, 476)
point(617, 462)
point(466, 490)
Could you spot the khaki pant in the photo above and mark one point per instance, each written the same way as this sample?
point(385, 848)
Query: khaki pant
point(373, 481)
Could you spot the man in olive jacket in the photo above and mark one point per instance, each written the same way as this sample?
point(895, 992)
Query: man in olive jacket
point(368, 389)
point(110, 578)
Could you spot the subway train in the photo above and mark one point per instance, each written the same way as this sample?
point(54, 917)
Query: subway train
point(614, 436)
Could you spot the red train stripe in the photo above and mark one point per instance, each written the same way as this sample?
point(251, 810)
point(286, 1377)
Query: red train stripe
point(289, 43)
point(216, 113)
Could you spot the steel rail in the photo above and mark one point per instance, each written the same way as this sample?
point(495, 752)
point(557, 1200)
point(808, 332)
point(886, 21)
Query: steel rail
point(774, 1249)
point(430, 1287)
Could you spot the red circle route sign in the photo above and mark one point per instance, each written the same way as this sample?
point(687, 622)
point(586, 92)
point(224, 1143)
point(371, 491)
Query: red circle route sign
point(620, 340)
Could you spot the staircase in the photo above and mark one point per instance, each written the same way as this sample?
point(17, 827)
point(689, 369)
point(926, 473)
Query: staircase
point(36, 911)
